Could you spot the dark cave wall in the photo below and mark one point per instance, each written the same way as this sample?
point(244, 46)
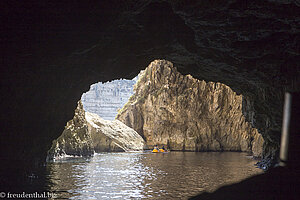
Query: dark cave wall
point(52, 52)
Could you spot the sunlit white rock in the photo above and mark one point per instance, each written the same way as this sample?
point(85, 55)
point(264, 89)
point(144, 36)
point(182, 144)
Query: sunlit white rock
point(118, 134)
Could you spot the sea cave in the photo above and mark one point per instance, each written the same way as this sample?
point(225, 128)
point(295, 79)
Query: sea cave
point(52, 52)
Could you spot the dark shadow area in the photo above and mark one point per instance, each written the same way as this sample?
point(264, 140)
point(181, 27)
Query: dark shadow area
point(278, 183)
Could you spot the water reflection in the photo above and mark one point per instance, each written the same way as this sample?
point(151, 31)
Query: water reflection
point(176, 175)
point(66, 178)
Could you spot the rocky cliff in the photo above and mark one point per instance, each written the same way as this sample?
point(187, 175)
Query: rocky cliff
point(105, 99)
point(87, 133)
point(75, 140)
point(184, 113)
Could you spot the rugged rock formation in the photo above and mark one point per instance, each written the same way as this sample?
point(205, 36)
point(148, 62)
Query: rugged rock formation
point(112, 135)
point(187, 114)
point(75, 139)
point(87, 133)
point(105, 99)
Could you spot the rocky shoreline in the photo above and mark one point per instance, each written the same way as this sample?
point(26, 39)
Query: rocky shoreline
point(266, 163)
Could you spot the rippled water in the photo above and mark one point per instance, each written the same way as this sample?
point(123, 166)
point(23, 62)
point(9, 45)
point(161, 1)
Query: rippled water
point(174, 175)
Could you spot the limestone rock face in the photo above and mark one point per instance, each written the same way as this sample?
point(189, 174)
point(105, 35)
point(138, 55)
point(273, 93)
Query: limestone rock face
point(184, 113)
point(112, 135)
point(105, 99)
point(75, 139)
point(87, 133)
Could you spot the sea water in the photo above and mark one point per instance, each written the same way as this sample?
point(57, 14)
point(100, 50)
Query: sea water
point(174, 175)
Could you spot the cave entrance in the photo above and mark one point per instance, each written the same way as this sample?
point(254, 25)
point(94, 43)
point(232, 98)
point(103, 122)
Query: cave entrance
point(164, 108)
point(158, 107)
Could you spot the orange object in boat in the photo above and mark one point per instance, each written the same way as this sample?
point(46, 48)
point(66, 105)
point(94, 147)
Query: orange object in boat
point(155, 151)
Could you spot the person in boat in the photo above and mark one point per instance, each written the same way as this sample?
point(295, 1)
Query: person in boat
point(162, 149)
point(155, 149)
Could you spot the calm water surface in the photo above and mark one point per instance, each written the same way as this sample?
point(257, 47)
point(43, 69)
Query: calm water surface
point(174, 175)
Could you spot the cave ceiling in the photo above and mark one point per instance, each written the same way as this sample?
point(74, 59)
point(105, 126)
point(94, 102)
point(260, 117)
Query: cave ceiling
point(241, 43)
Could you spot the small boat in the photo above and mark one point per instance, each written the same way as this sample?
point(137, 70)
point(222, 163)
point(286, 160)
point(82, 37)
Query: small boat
point(154, 151)
point(159, 151)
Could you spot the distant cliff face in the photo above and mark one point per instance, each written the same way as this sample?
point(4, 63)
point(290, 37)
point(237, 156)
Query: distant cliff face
point(87, 133)
point(105, 99)
point(184, 113)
